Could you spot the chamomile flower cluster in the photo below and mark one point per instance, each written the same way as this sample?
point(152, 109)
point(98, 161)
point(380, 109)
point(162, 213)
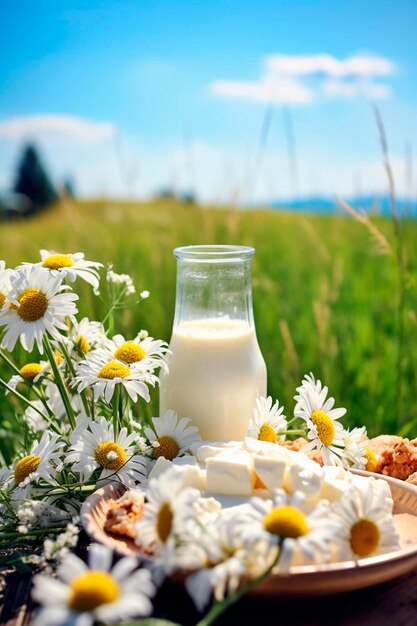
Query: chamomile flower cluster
point(318, 422)
point(77, 387)
point(122, 363)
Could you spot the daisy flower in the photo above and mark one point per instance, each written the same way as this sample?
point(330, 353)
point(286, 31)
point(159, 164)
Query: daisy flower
point(37, 306)
point(83, 595)
point(267, 420)
point(103, 374)
point(70, 266)
point(324, 431)
point(144, 353)
point(367, 527)
point(5, 276)
point(94, 446)
point(42, 462)
point(224, 560)
point(171, 437)
point(87, 335)
point(302, 535)
point(29, 373)
point(355, 448)
point(168, 509)
point(357, 451)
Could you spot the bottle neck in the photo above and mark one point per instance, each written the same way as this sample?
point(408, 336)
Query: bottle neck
point(214, 289)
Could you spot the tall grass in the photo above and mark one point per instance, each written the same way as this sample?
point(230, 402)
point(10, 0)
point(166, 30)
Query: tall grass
point(398, 254)
point(323, 300)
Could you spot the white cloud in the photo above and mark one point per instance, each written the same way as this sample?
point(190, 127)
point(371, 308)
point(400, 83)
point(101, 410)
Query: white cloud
point(306, 78)
point(265, 90)
point(357, 65)
point(67, 127)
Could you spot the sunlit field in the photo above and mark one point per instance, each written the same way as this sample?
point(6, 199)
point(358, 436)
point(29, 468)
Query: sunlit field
point(324, 300)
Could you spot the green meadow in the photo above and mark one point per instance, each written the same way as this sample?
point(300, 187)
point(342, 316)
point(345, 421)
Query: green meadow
point(325, 300)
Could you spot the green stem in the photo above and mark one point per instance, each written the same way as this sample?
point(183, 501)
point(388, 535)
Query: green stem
point(29, 403)
point(56, 491)
point(9, 362)
point(113, 306)
point(121, 412)
point(73, 373)
point(59, 382)
point(35, 532)
point(291, 432)
point(219, 607)
point(293, 419)
point(115, 408)
point(44, 401)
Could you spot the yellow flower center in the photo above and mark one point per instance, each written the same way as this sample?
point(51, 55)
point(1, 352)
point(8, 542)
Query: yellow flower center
point(164, 521)
point(115, 461)
point(2, 299)
point(33, 305)
point(267, 433)
point(325, 427)
point(57, 261)
point(82, 344)
point(114, 370)
point(364, 537)
point(168, 448)
point(25, 467)
point(130, 352)
point(371, 460)
point(30, 370)
point(92, 589)
point(59, 357)
point(286, 521)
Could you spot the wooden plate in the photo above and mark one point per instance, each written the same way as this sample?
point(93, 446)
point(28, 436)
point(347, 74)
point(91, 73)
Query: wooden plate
point(306, 580)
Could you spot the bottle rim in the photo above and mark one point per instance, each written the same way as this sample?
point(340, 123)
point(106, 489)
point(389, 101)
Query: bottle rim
point(214, 253)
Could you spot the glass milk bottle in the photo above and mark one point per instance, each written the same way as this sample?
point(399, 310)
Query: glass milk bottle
point(216, 369)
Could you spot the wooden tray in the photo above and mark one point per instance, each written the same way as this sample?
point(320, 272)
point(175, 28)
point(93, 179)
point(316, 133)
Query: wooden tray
point(306, 580)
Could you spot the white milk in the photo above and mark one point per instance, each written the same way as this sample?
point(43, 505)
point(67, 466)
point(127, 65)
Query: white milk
point(216, 372)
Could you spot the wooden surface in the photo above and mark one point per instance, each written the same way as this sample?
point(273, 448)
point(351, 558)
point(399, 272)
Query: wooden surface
point(393, 604)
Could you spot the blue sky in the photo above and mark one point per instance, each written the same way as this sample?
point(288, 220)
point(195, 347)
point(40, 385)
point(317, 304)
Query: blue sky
point(128, 97)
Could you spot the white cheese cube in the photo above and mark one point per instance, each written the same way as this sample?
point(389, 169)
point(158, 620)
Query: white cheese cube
point(301, 459)
point(206, 451)
point(335, 472)
point(333, 490)
point(308, 480)
point(193, 475)
point(265, 448)
point(270, 471)
point(229, 475)
point(185, 460)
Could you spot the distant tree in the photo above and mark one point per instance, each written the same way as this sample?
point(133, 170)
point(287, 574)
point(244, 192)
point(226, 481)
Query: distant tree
point(32, 179)
point(165, 193)
point(188, 198)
